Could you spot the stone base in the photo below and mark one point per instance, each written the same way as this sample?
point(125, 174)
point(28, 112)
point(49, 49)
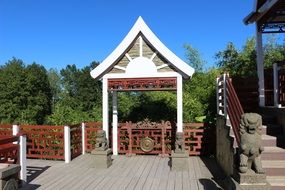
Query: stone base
point(9, 176)
point(179, 161)
point(252, 180)
point(102, 158)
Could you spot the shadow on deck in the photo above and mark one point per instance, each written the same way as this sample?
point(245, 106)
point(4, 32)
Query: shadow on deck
point(137, 172)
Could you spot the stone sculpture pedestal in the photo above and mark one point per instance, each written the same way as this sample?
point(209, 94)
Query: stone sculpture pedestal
point(102, 158)
point(252, 181)
point(179, 161)
point(9, 176)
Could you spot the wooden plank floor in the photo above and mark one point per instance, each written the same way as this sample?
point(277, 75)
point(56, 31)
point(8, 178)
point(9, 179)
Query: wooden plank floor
point(136, 172)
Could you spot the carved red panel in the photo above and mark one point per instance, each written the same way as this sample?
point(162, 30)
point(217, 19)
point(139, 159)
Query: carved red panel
point(76, 140)
point(193, 134)
point(91, 129)
point(9, 152)
point(142, 84)
point(131, 137)
point(6, 130)
point(282, 87)
point(44, 142)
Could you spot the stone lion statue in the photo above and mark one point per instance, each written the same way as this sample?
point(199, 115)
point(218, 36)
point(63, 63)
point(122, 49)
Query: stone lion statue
point(179, 143)
point(250, 143)
point(101, 140)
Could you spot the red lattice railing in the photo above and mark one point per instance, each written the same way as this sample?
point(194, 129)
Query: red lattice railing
point(281, 79)
point(44, 142)
point(193, 134)
point(130, 136)
point(6, 130)
point(76, 140)
point(9, 152)
point(163, 135)
point(91, 129)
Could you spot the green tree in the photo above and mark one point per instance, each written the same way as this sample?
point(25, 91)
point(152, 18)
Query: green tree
point(25, 94)
point(194, 58)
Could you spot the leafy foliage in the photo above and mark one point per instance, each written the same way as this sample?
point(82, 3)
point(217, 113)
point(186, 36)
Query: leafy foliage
point(243, 62)
point(25, 94)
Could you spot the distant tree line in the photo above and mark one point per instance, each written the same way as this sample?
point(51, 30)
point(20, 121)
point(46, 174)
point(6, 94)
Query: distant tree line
point(31, 94)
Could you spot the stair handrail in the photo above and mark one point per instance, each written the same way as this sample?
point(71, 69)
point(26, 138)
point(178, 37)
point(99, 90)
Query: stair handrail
point(228, 104)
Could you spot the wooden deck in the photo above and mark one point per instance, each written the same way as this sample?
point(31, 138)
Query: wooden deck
point(136, 172)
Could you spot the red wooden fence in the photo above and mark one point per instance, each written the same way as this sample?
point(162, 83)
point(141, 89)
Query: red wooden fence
point(6, 130)
point(75, 140)
point(193, 134)
point(44, 142)
point(91, 129)
point(9, 152)
point(281, 79)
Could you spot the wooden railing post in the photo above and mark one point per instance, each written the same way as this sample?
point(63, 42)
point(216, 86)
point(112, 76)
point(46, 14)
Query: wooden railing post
point(129, 126)
point(275, 85)
point(163, 129)
point(83, 137)
point(67, 147)
point(15, 129)
point(225, 95)
point(23, 158)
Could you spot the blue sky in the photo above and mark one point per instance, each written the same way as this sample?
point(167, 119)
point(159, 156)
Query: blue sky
point(55, 33)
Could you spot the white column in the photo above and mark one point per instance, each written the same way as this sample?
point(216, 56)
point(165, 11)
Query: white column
point(83, 137)
point(105, 107)
point(179, 105)
point(67, 151)
point(275, 84)
point(260, 66)
point(15, 129)
point(23, 158)
point(115, 123)
point(225, 95)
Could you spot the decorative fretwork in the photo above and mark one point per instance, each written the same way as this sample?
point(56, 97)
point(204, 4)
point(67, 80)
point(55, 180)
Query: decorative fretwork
point(145, 138)
point(5, 130)
point(193, 134)
point(142, 84)
point(76, 140)
point(44, 142)
point(282, 87)
point(273, 28)
point(91, 129)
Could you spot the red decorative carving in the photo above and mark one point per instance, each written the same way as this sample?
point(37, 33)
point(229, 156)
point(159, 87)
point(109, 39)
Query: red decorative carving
point(44, 142)
point(91, 129)
point(193, 134)
point(131, 135)
point(142, 84)
point(282, 87)
point(76, 140)
point(6, 130)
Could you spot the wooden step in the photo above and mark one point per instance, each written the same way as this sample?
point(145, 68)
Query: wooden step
point(268, 140)
point(273, 153)
point(274, 167)
point(276, 182)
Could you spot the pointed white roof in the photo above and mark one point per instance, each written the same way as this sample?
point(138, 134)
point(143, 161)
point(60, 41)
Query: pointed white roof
point(140, 27)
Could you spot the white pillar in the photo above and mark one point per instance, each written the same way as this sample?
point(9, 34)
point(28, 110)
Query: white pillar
point(260, 66)
point(67, 151)
point(83, 137)
point(225, 95)
point(275, 84)
point(105, 107)
point(23, 158)
point(15, 129)
point(179, 104)
point(115, 123)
